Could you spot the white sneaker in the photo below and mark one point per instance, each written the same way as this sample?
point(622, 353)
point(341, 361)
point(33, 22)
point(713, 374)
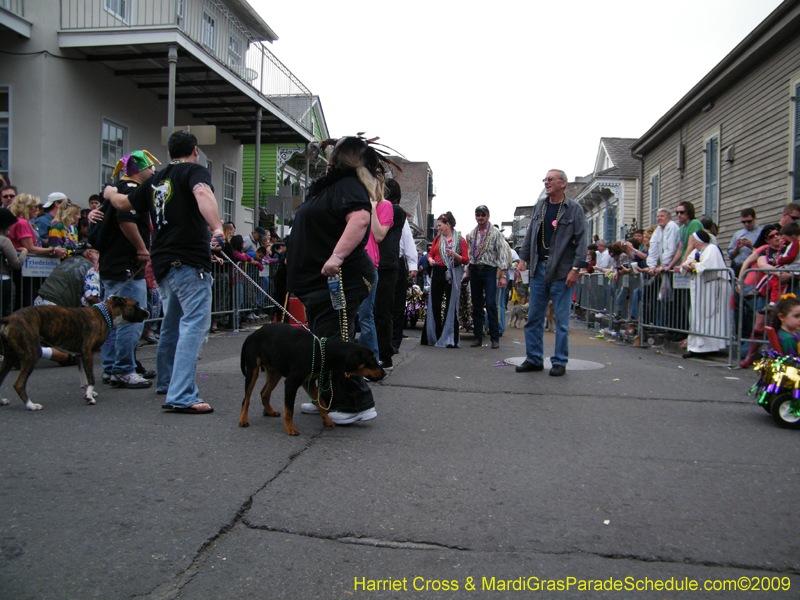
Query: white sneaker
point(131, 380)
point(343, 418)
point(309, 408)
point(369, 414)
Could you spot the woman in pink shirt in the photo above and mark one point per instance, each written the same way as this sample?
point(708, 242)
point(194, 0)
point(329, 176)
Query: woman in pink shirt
point(381, 221)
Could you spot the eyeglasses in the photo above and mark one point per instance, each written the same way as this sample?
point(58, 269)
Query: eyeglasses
point(680, 212)
point(549, 179)
point(746, 221)
point(480, 214)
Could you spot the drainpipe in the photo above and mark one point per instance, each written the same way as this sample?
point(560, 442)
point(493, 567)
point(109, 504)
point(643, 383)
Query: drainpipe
point(257, 167)
point(172, 57)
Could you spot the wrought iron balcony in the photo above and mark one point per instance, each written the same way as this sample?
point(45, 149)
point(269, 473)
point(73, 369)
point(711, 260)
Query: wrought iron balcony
point(232, 35)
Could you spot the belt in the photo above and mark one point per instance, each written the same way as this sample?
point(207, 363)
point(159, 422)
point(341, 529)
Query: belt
point(474, 266)
point(176, 264)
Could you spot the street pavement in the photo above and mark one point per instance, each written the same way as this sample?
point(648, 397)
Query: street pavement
point(473, 482)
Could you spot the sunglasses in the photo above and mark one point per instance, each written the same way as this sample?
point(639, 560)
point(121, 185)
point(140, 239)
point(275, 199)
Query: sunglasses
point(480, 214)
point(772, 235)
point(549, 179)
point(746, 221)
point(8, 195)
point(680, 212)
point(794, 218)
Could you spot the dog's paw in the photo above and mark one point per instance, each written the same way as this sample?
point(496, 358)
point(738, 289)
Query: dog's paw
point(3, 401)
point(33, 406)
point(244, 424)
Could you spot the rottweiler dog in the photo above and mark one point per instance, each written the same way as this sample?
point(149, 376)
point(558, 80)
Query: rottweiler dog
point(80, 331)
point(281, 350)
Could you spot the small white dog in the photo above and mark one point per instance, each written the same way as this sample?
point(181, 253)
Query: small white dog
point(519, 316)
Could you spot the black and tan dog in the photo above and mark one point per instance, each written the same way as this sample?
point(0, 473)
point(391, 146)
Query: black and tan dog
point(78, 331)
point(281, 350)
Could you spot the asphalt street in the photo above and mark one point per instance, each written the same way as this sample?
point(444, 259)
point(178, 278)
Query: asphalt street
point(642, 476)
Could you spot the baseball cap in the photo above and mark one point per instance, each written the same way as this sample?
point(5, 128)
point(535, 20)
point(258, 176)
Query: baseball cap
point(53, 198)
point(260, 231)
point(482, 208)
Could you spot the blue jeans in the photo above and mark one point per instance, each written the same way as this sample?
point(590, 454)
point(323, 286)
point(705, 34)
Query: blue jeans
point(186, 292)
point(541, 293)
point(118, 358)
point(366, 320)
point(483, 280)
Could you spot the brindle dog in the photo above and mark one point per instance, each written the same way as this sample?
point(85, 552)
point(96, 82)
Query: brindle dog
point(78, 331)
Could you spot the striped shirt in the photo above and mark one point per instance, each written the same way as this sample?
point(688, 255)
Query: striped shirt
point(495, 250)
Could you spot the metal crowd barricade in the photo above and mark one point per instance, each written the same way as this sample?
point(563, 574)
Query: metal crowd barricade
point(598, 293)
point(749, 300)
point(229, 301)
point(693, 304)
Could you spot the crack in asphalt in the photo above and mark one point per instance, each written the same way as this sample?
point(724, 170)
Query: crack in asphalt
point(350, 538)
point(171, 590)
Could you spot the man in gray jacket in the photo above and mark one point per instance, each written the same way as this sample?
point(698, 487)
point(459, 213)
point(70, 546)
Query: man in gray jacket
point(555, 251)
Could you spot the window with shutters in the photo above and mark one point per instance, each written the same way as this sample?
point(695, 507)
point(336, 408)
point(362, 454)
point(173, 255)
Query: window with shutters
point(228, 193)
point(794, 146)
point(610, 231)
point(711, 176)
point(113, 142)
point(655, 194)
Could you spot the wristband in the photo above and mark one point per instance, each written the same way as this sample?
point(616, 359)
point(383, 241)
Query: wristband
point(337, 256)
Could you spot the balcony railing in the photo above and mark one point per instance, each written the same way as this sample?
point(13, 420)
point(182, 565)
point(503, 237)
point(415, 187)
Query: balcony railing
point(14, 6)
point(209, 24)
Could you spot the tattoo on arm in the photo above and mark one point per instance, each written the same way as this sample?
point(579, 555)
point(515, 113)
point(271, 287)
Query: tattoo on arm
point(201, 184)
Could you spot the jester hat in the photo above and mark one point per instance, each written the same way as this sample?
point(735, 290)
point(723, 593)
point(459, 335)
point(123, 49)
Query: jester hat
point(136, 161)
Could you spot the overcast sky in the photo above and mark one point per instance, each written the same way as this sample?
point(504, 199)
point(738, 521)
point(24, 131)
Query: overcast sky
point(494, 94)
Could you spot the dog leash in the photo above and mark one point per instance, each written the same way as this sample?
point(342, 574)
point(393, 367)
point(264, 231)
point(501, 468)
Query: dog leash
point(321, 341)
point(135, 273)
point(271, 299)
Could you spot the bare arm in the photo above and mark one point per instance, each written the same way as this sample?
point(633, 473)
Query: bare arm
point(120, 201)
point(27, 244)
point(676, 259)
point(208, 208)
point(378, 231)
point(130, 231)
point(357, 223)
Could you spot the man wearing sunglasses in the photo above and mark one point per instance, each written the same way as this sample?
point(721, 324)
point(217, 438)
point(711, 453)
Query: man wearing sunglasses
point(744, 240)
point(555, 251)
point(488, 270)
point(791, 213)
point(8, 192)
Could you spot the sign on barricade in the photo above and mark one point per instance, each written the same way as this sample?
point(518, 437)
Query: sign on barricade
point(39, 266)
point(681, 282)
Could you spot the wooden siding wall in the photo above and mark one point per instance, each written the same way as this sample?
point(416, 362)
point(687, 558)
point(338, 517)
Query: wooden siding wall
point(753, 116)
point(268, 166)
point(631, 194)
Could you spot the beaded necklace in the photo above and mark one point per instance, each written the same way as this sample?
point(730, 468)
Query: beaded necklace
point(101, 306)
point(449, 262)
point(479, 242)
point(555, 223)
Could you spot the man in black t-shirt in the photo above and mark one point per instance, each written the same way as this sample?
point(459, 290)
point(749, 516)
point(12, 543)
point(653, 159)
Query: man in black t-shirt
point(182, 206)
point(122, 270)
